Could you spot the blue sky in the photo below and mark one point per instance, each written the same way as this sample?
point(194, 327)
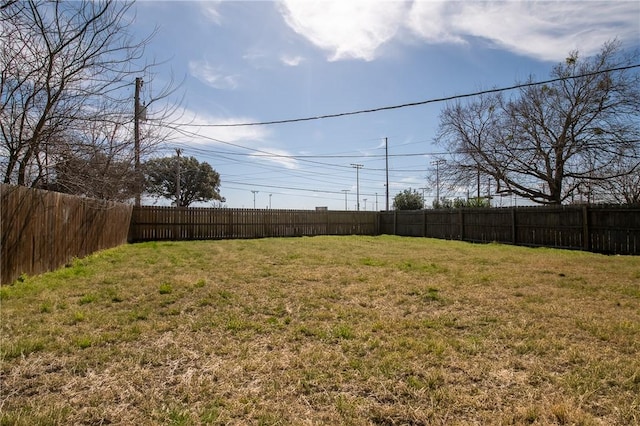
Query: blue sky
point(244, 62)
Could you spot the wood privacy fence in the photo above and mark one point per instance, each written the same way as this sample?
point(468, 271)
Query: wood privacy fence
point(43, 230)
point(614, 230)
point(603, 229)
point(150, 223)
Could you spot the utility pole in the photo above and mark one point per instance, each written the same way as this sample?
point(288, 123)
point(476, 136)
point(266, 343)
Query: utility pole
point(346, 207)
point(46, 164)
point(365, 204)
point(437, 164)
point(178, 152)
point(423, 198)
point(136, 138)
point(376, 201)
point(270, 201)
point(254, 198)
point(357, 167)
point(386, 157)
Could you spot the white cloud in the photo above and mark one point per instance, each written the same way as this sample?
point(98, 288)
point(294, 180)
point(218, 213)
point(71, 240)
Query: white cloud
point(278, 156)
point(199, 129)
point(428, 20)
point(210, 9)
point(257, 58)
point(405, 183)
point(347, 29)
point(212, 75)
point(545, 30)
point(292, 61)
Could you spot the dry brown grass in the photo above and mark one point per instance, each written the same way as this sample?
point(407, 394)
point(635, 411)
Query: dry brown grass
point(325, 330)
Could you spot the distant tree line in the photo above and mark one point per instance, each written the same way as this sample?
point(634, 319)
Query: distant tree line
point(411, 199)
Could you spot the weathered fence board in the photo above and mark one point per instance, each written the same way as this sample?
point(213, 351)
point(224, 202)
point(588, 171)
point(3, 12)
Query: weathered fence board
point(151, 223)
point(603, 229)
point(613, 230)
point(487, 225)
point(42, 230)
point(561, 227)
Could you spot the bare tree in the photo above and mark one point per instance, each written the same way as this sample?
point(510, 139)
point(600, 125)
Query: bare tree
point(68, 71)
point(550, 140)
point(624, 185)
point(468, 130)
point(96, 162)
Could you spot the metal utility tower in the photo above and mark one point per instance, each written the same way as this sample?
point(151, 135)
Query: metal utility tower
point(254, 198)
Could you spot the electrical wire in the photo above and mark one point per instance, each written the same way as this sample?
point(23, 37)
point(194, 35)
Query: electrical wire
point(419, 103)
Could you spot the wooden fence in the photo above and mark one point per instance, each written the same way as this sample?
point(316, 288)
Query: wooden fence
point(603, 229)
point(150, 223)
point(607, 229)
point(43, 230)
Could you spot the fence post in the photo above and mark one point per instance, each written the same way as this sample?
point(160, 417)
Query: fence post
point(586, 240)
point(173, 214)
point(132, 225)
point(461, 214)
point(424, 223)
point(395, 222)
point(327, 230)
point(514, 237)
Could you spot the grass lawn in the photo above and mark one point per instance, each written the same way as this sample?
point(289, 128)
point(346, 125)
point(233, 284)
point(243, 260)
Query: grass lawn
point(324, 330)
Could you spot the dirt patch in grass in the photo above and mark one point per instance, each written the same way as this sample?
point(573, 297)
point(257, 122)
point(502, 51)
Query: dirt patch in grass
point(325, 330)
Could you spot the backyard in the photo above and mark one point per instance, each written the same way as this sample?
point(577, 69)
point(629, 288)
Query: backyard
point(324, 330)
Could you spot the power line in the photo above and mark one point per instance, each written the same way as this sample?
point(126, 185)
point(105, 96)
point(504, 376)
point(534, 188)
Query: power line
point(259, 153)
point(412, 104)
point(306, 157)
point(319, 191)
point(314, 196)
point(314, 191)
point(302, 173)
